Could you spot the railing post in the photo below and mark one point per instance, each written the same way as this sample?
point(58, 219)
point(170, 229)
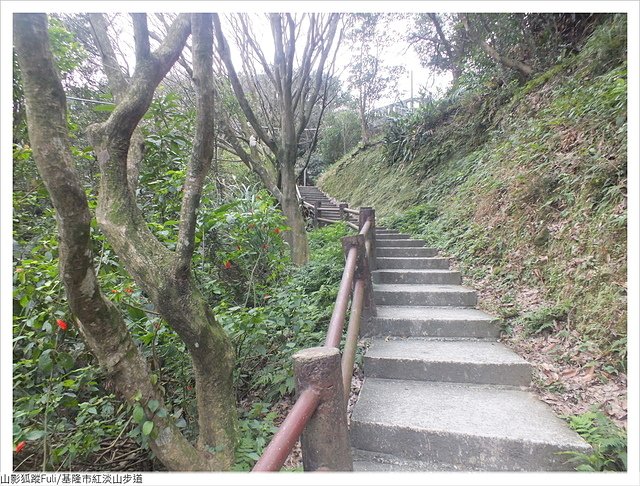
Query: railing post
point(325, 439)
point(343, 213)
point(316, 213)
point(365, 214)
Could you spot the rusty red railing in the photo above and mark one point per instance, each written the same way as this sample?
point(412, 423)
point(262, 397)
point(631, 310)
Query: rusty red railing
point(323, 374)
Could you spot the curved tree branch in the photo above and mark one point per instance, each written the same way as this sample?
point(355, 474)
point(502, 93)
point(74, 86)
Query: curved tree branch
point(225, 55)
point(141, 36)
point(202, 152)
point(491, 51)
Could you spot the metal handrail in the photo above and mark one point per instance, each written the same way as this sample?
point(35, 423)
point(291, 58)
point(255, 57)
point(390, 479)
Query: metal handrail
point(306, 413)
point(351, 341)
point(279, 448)
point(352, 225)
point(366, 227)
point(336, 324)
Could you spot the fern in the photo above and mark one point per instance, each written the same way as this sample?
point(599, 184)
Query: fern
point(609, 443)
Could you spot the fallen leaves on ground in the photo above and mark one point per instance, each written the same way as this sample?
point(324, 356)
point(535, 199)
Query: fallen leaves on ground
point(568, 377)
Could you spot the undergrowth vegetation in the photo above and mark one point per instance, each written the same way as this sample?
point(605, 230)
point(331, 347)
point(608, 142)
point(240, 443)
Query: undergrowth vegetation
point(526, 185)
point(66, 415)
point(609, 443)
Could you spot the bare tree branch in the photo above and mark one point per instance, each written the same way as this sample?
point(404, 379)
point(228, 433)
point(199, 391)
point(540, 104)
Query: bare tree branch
point(117, 80)
point(202, 34)
point(141, 36)
point(118, 84)
point(225, 55)
point(297, 84)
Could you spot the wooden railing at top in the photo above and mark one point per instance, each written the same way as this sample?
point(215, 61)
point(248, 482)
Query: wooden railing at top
point(322, 377)
point(319, 214)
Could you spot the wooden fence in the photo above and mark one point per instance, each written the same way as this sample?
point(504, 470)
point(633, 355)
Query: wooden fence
point(323, 374)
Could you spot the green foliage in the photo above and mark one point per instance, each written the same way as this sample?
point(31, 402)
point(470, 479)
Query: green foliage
point(59, 402)
point(340, 133)
point(414, 219)
point(544, 318)
point(244, 247)
point(293, 317)
point(609, 443)
point(67, 52)
point(168, 130)
point(450, 42)
point(449, 127)
point(535, 200)
point(256, 429)
point(368, 37)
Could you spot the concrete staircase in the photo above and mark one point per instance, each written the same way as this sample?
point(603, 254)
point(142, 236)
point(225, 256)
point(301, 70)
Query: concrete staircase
point(312, 194)
point(440, 393)
point(327, 210)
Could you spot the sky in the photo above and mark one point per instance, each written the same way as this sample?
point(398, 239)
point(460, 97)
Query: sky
point(8, 7)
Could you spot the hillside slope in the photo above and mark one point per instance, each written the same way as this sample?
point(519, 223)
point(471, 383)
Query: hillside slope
point(526, 187)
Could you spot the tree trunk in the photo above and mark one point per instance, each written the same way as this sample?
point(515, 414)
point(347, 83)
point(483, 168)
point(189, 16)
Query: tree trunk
point(162, 274)
point(98, 321)
point(296, 237)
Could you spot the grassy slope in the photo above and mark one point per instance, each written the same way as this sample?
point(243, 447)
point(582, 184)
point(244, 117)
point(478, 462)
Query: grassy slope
point(535, 208)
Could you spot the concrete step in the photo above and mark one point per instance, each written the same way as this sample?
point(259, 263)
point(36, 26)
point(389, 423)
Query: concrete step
point(470, 361)
point(405, 321)
point(396, 243)
point(393, 236)
point(427, 295)
point(323, 202)
point(466, 426)
point(401, 276)
point(412, 263)
point(405, 251)
point(365, 461)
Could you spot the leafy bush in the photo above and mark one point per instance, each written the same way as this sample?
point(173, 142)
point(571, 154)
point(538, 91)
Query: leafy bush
point(293, 316)
point(609, 443)
point(256, 429)
point(448, 127)
point(244, 247)
point(62, 410)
